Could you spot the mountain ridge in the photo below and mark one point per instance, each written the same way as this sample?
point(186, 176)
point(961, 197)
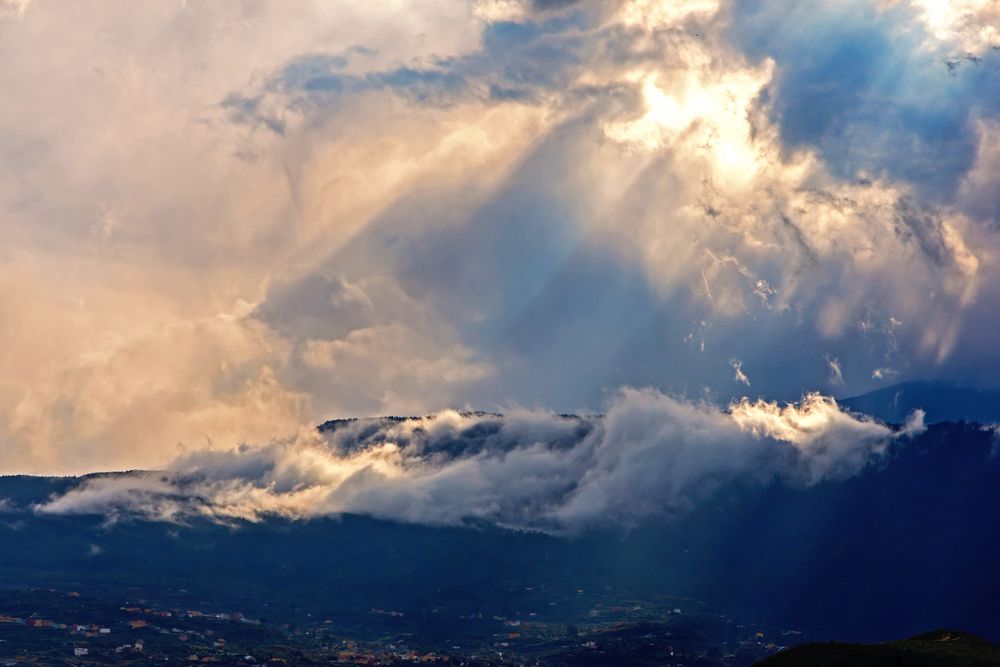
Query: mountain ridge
point(941, 402)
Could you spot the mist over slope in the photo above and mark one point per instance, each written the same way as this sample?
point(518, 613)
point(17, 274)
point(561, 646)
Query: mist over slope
point(648, 455)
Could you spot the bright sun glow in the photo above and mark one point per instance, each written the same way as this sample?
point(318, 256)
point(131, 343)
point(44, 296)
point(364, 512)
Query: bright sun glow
point(709, 117)
point(973, 24)
point(654, 14)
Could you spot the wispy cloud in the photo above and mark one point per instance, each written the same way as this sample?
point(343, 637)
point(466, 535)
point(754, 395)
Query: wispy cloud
point(738, 375)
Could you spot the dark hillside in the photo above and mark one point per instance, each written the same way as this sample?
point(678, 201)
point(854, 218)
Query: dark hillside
point(941, 648)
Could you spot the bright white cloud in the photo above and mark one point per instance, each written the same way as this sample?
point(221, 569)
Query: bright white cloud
point(660, 14)
point(701, 112)
point(501, 10)
point(972, 26)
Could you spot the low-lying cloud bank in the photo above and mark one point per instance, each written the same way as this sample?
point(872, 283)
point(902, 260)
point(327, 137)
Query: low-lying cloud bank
point(649, 454)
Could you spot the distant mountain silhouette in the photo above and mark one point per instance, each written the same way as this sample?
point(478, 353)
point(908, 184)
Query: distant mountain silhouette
point(941, 401)
point(941, 648)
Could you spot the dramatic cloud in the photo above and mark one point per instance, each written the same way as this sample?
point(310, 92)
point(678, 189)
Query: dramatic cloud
point(221, 224)
point(650, 454)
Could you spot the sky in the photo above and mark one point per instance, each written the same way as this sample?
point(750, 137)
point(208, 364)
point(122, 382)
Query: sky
point(222, 223)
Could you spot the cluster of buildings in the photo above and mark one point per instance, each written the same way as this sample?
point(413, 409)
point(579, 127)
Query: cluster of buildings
point(135, 647)
point(382, 658)
point(90, 630)
point(150, 619)
point(191, 613)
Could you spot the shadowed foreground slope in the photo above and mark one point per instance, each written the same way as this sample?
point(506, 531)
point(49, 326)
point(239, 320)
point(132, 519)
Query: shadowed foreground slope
point(940, 648)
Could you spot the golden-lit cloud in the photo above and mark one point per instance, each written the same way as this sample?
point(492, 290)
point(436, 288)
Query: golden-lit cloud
point(656, 14)
point(138, 242)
